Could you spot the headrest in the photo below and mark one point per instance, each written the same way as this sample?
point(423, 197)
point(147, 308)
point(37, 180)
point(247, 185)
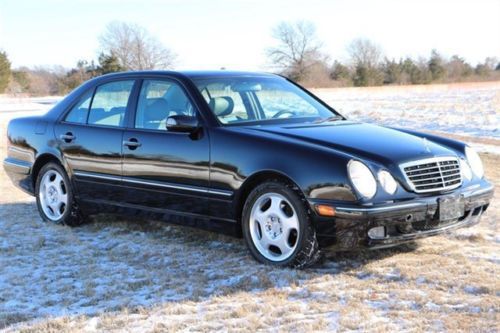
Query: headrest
point(221, 106)
point(156, 110)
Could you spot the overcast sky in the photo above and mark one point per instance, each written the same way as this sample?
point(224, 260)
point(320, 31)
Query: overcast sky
point(235, 33)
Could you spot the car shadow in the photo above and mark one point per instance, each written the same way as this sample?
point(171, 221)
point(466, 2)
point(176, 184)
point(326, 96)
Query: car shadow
point(115, 262)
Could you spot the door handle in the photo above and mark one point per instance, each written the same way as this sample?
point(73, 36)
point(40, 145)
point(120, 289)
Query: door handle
point(132, 143)
point(68, 137)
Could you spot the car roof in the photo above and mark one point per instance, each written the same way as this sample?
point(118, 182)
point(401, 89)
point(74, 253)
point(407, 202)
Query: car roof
point(191, 74)
point(222, 73)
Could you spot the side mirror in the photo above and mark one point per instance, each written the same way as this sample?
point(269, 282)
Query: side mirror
point(182, 123)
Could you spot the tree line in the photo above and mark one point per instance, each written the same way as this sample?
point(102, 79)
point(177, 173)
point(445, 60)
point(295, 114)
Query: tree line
point(297, 53)
point(123, 47)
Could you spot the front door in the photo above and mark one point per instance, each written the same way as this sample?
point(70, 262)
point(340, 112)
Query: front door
point(166, 171)
point(90, 139)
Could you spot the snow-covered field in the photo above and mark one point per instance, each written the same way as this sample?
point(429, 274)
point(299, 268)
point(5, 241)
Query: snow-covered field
point(469, 110)
point(122, 274)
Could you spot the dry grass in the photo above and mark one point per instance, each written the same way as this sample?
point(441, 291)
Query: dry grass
point(117, 274)
point(419, 88)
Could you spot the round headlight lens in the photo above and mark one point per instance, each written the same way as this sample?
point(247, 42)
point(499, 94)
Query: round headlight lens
point(475, 162)
point(387, 182)
point(466, 171)
point(362, 179)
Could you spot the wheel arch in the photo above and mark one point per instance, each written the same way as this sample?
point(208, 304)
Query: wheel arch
point(40, 161)
point(254, 180)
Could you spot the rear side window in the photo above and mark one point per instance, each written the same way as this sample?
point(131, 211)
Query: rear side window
point(78, 113)
point(110, 103)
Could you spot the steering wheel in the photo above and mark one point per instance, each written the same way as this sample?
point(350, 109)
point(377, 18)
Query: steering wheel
point(282, 112)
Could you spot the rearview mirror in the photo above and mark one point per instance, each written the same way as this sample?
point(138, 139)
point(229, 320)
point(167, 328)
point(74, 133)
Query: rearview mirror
point(246, 87)
point(182, 123)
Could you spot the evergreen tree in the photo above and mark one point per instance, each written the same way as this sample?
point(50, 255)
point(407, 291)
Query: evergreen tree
point(21, 78)
point(109, 64)
point(4, 71)
point(417, 72)
point(365, 76)
point(393, 71)
point(409, 69)
point(339, 72)
point(436, 66)
point(76, 76)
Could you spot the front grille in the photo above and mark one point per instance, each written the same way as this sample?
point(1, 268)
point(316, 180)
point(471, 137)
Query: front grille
point(433, 174)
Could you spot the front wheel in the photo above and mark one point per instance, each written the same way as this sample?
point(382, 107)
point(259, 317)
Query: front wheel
point(54, 196)
point(277, 227)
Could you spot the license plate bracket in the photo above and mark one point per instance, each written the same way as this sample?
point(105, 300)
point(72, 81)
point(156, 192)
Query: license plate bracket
point(451, 207)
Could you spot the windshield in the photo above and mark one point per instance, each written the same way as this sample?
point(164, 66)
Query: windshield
point(243, 100)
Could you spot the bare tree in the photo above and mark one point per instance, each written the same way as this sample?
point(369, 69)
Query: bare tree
point(135, 47)
point(298, 49)
point(365, 57)
point(364, 52)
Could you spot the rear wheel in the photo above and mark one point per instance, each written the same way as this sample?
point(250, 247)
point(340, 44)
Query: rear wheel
point(277, 227)
point(54, 196)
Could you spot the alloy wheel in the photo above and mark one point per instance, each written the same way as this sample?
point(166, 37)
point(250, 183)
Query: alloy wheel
point(274, 227)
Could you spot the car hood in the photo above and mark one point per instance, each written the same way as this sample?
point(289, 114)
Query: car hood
point(380, 144)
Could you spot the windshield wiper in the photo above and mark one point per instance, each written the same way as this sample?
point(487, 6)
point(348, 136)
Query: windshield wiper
point(332, 118)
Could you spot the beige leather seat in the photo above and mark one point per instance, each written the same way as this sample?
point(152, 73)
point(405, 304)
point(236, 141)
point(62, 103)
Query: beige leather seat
point(221, 106)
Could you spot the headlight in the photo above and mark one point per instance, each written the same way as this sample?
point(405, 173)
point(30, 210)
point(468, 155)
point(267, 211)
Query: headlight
point(387, 182)
point(362, 179)
point(475, 162)
point(466, 171)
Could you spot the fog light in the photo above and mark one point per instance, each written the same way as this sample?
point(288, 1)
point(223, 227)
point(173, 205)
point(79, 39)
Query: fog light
point(377, 233)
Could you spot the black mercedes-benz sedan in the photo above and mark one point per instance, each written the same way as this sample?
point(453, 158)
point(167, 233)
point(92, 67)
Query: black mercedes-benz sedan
point(250, 154)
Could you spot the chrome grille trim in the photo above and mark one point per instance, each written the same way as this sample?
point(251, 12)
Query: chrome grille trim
point(432, 174)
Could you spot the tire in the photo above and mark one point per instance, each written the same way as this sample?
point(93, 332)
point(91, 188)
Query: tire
point(54, 196)
point(277, 227)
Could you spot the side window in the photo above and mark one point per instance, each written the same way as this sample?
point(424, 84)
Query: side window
point(110, 103)
point(237, 110)
point(78, 113)
point(159, 100)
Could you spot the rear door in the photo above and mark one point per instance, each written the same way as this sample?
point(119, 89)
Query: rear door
point(90, 138)
point(165, 170)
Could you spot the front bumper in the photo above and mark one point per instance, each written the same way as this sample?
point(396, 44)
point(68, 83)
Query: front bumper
point(402, 221)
